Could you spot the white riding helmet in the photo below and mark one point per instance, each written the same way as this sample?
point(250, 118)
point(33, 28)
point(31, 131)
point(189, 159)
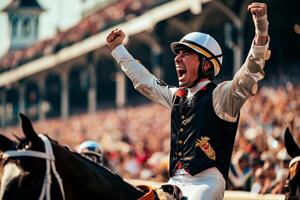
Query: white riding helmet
point(205, 45)
point(90, 147)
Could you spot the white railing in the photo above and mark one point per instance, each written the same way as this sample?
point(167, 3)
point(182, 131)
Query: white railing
point(229, 195)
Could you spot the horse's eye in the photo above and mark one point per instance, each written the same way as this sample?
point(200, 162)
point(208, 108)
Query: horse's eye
point(27, 145)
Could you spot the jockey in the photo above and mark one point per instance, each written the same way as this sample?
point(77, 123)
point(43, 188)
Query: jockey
point(204, 115)
point(92, 150)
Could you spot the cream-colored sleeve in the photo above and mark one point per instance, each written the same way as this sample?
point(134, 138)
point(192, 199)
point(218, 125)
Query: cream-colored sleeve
point(144, 81)
point(229, 96)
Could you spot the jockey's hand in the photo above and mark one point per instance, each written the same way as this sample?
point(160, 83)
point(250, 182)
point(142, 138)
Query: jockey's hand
point(115, 38)
point(259, 16)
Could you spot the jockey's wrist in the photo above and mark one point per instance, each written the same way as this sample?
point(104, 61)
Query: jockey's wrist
point(261, 25)
point(261, 40)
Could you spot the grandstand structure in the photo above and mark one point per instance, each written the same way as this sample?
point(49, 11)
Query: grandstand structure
point(73, 72)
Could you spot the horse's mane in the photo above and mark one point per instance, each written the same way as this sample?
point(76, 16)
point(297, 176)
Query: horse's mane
point(91, 164)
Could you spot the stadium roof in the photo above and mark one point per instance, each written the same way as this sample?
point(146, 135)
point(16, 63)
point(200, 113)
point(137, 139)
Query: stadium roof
point(90, 35)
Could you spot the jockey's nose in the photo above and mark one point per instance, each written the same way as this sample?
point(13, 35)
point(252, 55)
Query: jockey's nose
point(178, 57)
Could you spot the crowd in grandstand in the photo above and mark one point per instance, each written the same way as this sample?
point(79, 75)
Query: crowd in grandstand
point(135, 140)
point(260, 147)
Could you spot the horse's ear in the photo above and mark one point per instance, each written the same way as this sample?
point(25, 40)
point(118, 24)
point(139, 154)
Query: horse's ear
point(290, 144)
point(6, 144)
point(28, 130)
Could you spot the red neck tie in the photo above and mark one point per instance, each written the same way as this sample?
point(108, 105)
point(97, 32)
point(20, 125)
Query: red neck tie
point(182, 92)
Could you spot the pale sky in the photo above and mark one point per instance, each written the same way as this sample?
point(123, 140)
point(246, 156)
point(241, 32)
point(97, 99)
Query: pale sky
point(59, 13)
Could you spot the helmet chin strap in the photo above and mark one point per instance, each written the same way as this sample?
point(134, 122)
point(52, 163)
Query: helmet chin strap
point(201, 73)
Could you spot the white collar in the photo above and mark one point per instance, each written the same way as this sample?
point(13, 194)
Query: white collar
point(192, 91)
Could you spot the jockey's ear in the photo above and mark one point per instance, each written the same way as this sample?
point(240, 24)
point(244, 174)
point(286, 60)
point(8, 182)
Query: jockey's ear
point(291, 146)
point(207, 65)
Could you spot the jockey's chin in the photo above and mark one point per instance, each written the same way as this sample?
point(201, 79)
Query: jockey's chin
point(183, 84)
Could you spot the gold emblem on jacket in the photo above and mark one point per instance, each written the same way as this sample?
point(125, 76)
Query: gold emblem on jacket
point(205, 147)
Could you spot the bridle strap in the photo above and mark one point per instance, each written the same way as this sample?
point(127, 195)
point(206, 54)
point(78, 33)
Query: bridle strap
point(294, 160)
point(50, 164)
point(27, 153)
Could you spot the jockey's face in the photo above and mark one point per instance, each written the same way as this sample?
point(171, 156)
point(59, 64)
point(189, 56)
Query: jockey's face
point(187, 64)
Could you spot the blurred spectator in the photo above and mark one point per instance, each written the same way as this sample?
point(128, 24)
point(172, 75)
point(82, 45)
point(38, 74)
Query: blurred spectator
point(239, 171)
point(282, 172)
point(270, 177)
point(259, 178)
point(280, 182)
point(255, 164)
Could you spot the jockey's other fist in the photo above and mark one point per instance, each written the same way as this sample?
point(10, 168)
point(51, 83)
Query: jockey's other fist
point(115, 38)
point(259, 16)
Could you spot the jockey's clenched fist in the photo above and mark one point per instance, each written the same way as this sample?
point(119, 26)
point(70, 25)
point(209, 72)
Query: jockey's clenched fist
point(258, 9)
point(259, 15)
point(115, 38)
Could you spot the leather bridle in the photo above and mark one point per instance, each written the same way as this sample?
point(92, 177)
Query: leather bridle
point(50, 165)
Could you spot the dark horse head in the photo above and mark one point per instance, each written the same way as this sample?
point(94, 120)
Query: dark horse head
point(39, 168)
point(293, 180)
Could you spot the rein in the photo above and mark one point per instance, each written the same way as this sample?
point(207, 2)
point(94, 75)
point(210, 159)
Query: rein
point(294, 160)
point(50, 165)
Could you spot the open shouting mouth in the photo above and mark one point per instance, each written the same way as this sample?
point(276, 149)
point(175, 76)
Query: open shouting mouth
point(181, 72)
